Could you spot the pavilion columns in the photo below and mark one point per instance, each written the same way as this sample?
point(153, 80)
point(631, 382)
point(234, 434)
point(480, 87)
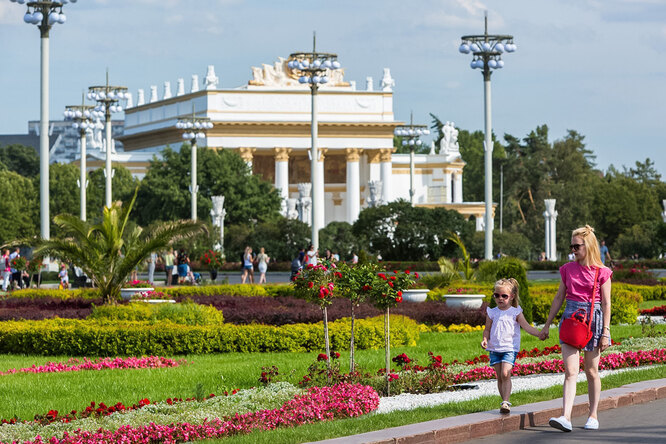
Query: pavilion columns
point(319, 198)
point(353, 156)
point(282, 172)
point(386, 171)
point(448, 189)
point(457, 187)
point(247, 154)
point(551, 217)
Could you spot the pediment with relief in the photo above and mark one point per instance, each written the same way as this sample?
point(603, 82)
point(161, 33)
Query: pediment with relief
point(280, 75)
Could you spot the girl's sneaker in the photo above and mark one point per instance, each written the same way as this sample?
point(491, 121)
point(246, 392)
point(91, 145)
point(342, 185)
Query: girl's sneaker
point(561, 423)
point(505, 407)
point(591, 424)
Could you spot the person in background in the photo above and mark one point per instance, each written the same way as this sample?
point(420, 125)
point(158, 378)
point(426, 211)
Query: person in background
point(603, 251)
point(168, 265)
point(183, 262)
point(152, 261)
point(262, 260)
point(6, 270)
point(64, 277)
point(248, 265)
point(311, 256)
point(16, 274)
point(354, 258)
point(297, 263)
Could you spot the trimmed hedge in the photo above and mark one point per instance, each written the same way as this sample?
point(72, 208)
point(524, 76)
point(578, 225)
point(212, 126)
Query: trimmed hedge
point(187, 313)
point(90, 338)
point(35, 293)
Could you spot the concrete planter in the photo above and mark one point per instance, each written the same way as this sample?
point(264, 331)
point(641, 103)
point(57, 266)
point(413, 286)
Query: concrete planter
point(472, 301)
point(415, 295)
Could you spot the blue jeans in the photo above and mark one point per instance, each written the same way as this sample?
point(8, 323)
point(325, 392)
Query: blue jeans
point(497, 357)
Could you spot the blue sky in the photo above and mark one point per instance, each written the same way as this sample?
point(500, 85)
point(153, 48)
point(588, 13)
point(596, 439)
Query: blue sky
point(595, 66)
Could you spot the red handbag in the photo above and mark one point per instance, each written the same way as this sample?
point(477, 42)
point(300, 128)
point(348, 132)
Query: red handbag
point(576, 330)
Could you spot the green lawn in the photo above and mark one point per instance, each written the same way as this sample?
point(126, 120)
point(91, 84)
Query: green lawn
point(649, 304)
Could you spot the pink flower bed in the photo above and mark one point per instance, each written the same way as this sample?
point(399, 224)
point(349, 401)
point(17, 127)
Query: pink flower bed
point(607, 362)
point(318, 404)
point(74, 365)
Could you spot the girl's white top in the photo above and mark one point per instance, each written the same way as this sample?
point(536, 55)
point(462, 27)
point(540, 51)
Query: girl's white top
point(505, 331)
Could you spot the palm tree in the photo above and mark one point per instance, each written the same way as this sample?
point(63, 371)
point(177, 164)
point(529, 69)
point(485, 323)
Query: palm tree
point(108, 251)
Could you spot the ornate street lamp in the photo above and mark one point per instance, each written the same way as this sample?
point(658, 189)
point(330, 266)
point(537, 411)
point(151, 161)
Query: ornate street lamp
point(81, 117)
point(108, 101)
point(194, 128)
point(411, 137)
point(313, 68)
point(487, 53)
point(217, 213)
point(44, 14)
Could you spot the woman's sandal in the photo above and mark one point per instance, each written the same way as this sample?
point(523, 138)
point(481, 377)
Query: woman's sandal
point(505, 407)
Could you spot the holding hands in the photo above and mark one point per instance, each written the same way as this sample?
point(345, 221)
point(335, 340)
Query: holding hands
point(544, 333)
point(484, 343)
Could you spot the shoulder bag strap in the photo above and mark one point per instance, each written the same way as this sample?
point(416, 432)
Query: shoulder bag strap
point(594, 295)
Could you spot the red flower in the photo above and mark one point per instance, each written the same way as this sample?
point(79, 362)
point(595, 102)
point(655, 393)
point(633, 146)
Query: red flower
point(322, 357)
point(338, 274)
point(335, 355)
point(406, 271)
point(416, 275)
point(310, 284)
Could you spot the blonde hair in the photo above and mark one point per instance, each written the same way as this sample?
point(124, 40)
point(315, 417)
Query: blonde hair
point(592, 255)
point(513, 285)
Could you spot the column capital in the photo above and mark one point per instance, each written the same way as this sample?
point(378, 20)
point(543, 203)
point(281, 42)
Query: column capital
point(353, 154)
point(282, 154)
point(385, 154)
point(246, 153)
point(322, 153)
point(373, 156)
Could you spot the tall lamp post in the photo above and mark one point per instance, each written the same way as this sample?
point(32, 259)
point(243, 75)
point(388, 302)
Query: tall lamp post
point(313, 68)
point(487, 53)
point(81, 117)
point(411, 137)
point(108, 101)
point(44, 14)
point(194, 128)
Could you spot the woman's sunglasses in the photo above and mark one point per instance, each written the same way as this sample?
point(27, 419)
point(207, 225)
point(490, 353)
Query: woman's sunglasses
point(575, 247)
point(503, 296)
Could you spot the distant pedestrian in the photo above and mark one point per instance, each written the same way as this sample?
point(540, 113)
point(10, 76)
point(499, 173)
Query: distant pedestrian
point(16, 274)
point(152, 261)
point(297, 264)
point(248, 265)
point(311, 255)
point(605, 254)
point(64, 277)
point(501, 337)
point(168, 265)
point(262, 261)
point(183, 266)
point(354, 258)
point(6, 270)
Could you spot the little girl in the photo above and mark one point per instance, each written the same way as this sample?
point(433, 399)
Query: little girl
point(501, 337)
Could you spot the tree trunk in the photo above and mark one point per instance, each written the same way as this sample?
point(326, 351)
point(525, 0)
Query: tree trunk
point(328, 346)
point(387, 348)
point(351, 341)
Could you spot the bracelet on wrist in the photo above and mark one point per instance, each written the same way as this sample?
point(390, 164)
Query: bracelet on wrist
point(607, 328)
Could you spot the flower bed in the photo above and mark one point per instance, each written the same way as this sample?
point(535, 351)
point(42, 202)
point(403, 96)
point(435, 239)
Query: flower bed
point(315, 405)
point(74, 365)
point(655, 311)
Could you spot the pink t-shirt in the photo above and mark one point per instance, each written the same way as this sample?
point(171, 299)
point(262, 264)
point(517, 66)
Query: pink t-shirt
point(579, 281)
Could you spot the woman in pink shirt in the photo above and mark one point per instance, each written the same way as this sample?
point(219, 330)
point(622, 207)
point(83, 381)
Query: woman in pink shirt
point(578, 282)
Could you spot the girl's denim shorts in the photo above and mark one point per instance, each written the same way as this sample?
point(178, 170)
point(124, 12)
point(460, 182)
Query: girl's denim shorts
point(497, 357)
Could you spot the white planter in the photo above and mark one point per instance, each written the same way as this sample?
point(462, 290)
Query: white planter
point(127, 293)
point(415, 295)
point(158, 301)
point(464, 300)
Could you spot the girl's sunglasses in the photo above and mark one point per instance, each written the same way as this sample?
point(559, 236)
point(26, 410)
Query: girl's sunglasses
point(575, 247)
point(503, 296)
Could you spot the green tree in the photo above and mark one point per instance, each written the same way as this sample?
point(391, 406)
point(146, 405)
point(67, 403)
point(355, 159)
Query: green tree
point(64, 195)
point(123, 186)
point(166, 194)
point(19, 207)
point(108, 251)
point(20, 159)
point(642, 239)
point(399, 231)
point(281, 237)
point(338, 237)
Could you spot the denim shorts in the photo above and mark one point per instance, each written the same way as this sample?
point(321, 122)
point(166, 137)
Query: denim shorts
point(497, 357)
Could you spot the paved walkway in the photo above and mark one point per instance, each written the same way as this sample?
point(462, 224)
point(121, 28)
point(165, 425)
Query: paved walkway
point(529, 423)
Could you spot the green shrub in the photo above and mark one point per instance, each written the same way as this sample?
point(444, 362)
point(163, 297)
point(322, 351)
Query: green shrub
point(487, 271)
point(279, 290)
point(90, 338)
point(437, 280)
point(187, 313)
point(33, 293)
point(647, 292)
point(183, 292)
point(624, 306)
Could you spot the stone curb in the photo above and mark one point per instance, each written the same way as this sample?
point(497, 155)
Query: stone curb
point(476, 425)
